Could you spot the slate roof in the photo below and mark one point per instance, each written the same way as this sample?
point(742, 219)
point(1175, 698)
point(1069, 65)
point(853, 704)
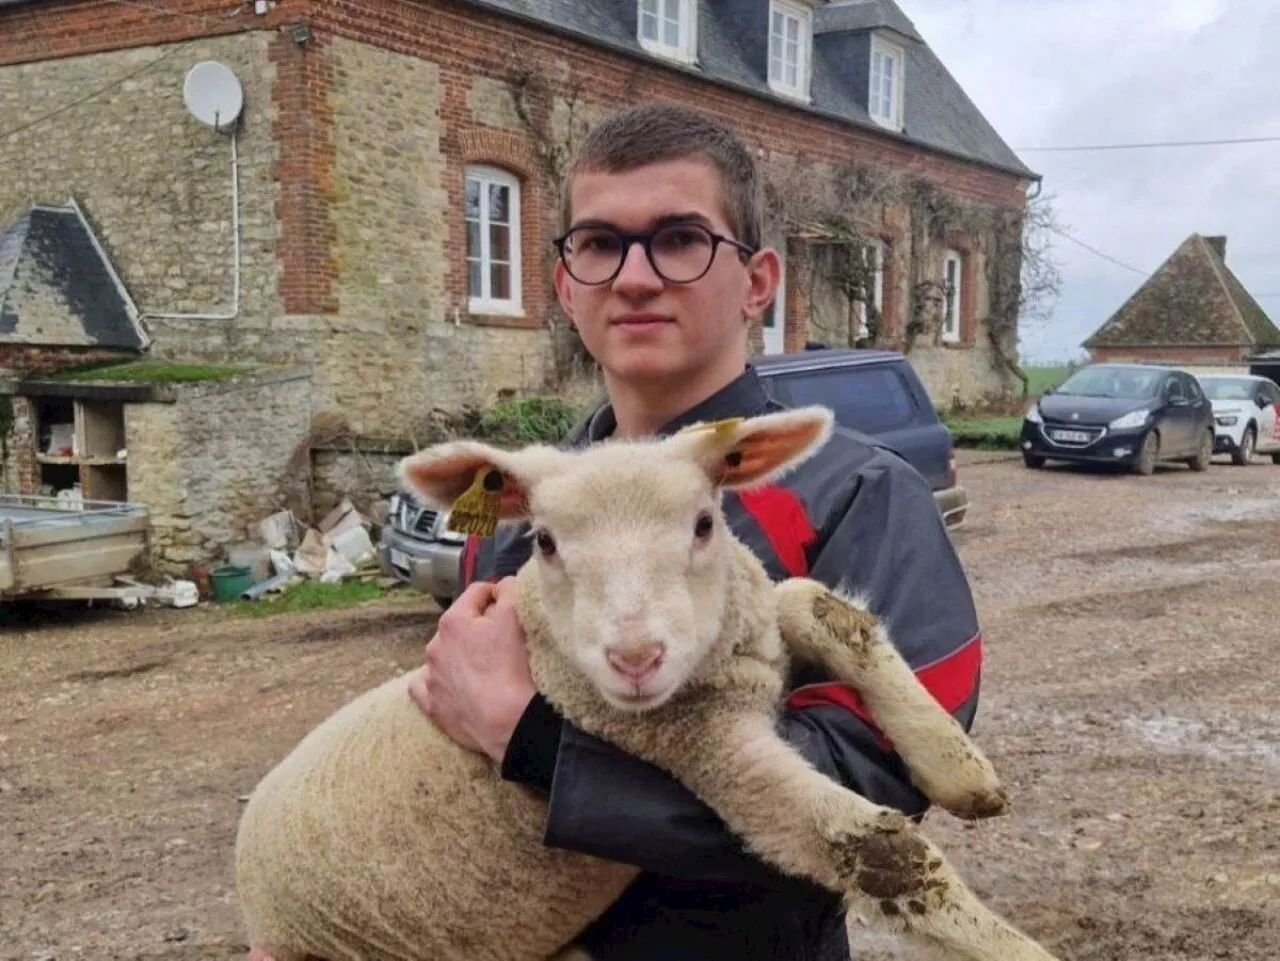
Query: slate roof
point(733, 49)
point(1192, 300)
point(57, 288)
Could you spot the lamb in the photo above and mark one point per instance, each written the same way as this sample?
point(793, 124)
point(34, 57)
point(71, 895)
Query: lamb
point(650, 625)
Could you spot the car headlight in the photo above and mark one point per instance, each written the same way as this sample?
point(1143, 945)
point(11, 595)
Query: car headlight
point(1033, 415)
point(1135, 418)
point(443, 532)
point(1227, 420)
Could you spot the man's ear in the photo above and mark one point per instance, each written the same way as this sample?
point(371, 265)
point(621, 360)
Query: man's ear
point(480, 485)
point(746, 452)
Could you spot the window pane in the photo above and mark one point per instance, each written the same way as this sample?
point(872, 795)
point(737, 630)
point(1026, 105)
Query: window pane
point(499, 242)
point(648, 26)
point(671, 33)
point(473, 198)
point(500, 282)
point(499, 198)
point(474, 274)
point(473, 239)
point(865, 400)
point(793, 29)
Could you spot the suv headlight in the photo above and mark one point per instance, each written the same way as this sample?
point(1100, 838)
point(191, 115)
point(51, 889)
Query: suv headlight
point(443, 532)
point(1033, 414)
point(1227, 420)
point(1135, 418)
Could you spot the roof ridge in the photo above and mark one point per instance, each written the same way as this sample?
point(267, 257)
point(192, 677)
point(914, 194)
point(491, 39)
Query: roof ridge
point(1229, 281)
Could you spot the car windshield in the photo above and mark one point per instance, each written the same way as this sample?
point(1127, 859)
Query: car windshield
point(1228, 388)
point(1112, 382)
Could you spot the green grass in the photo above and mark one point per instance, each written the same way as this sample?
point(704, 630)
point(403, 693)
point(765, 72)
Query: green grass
point(1041, 379)
point(308, 596)
point(986, 433)
point(153, 372)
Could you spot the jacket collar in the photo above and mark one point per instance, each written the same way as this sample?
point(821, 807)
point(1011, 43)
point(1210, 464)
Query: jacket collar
point(745, 396)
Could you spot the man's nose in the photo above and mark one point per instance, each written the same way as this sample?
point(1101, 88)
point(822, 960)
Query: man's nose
point(637, 273)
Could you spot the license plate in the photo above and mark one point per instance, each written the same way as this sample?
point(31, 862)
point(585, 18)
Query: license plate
point(1071, 436)
point(399, 558)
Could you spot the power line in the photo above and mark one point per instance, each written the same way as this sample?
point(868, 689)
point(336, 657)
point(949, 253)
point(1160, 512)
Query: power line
point(204, 20)
point(1099, 253)
point(1162, 143)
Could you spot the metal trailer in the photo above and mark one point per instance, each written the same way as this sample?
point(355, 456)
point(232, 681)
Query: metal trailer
point(76, 550)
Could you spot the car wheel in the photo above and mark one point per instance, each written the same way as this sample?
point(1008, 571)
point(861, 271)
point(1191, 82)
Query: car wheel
point(1275, 458)
point(1243, 456)
point(1148, 455)
point(1034, 461)
point(1205, 455)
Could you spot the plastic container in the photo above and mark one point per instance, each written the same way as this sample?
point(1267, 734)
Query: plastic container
point(230, 581)
point(185, 594)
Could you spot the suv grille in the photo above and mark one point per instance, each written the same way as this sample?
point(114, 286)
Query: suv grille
point(416, 520)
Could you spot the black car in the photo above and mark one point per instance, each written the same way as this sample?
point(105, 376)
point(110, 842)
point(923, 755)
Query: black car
point(878, 393)
point(1128, 414)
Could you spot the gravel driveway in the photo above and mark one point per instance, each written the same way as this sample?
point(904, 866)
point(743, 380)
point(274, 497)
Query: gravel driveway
point(1132, 703)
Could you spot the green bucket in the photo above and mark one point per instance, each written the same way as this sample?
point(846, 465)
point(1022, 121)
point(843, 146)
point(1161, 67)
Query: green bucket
point(230, 581)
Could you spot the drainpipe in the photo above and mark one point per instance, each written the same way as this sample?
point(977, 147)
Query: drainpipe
point(235, 255)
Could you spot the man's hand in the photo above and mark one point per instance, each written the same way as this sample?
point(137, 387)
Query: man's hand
point(475, 682)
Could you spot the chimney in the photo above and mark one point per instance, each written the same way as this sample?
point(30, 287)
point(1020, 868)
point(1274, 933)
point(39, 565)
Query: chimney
point(1219, 244)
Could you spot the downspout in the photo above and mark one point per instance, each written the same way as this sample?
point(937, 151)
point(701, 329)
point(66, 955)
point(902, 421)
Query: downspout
point(235, 255)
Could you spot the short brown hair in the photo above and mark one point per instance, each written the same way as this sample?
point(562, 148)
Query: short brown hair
point(655, 133)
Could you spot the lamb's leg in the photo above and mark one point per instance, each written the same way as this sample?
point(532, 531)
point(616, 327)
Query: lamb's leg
point(806, 824)
point(820, 626)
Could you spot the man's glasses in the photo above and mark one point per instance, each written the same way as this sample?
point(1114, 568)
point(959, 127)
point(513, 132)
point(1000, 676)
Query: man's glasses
point(679, 253)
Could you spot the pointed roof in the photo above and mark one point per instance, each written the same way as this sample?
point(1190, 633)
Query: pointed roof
point(1192, 300)
point(57, 287)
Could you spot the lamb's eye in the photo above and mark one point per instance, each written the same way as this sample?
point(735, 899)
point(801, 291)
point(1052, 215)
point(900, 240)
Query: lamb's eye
point(703, 526)
point(546, 543)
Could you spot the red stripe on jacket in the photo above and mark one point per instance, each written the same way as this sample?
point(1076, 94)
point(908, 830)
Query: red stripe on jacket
point(782, 517)
point(952, 680)
point(469, 554)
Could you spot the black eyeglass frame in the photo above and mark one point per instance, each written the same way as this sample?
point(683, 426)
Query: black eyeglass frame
point(646, 241)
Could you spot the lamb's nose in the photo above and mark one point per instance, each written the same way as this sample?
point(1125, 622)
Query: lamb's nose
point(635, 662)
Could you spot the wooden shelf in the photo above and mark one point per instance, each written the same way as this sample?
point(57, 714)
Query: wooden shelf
point(87, 461)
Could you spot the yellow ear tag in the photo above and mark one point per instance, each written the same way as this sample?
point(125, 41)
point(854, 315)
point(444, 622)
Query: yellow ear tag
point(722, 428)
point(476, 509)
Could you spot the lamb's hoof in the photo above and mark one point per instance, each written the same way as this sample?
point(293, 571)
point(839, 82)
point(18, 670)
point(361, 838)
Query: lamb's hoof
point(980, 806)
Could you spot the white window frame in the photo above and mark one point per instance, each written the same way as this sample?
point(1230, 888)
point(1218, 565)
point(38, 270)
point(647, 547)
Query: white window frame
point(686, 49)
point(951, 317)
point(875, 95)
point(877, 248)
point(774, 322)
point(804, 46)
point(481, 303)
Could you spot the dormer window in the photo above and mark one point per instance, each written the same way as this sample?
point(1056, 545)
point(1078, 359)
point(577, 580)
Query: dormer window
point(885, 99)
point(790, 38)
point(669, 28)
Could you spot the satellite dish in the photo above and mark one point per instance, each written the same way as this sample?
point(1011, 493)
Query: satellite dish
point(213, 94)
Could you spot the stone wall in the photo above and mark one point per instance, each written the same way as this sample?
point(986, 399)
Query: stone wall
point(212, 465)
point(154, 182)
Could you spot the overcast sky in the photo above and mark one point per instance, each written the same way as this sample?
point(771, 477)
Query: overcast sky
point(1074, 72)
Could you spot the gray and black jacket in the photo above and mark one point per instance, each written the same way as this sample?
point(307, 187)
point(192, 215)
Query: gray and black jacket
point(854, 515)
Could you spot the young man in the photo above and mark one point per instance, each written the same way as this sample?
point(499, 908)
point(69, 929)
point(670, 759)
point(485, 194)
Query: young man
point(661, 272)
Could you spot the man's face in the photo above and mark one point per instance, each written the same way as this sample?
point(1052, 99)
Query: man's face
point(638, 326)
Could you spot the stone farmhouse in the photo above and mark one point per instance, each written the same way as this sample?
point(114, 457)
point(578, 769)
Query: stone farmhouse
point(370, 239)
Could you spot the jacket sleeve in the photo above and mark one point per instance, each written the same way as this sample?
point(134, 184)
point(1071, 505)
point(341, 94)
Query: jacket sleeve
point(887, 542)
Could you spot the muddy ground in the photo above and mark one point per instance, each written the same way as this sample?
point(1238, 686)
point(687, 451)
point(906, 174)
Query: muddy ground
point(1132, 702)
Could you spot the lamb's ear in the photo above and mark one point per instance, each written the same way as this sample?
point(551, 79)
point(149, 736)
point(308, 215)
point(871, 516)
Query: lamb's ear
point(480, 485)
point(745, 452)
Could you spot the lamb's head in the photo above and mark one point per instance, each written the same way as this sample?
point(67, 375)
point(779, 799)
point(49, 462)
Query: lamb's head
point(633, 556)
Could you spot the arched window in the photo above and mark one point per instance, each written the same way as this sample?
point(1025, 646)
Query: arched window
point(493, 240)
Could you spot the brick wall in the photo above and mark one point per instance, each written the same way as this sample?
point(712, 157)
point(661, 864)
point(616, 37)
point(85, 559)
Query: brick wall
point(1171, 355)
point(24, 360)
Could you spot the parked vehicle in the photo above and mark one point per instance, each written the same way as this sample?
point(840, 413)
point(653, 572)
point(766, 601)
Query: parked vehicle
point(875, 392)
point(57, 548)
point(1134, 415)
point(1246, 413)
